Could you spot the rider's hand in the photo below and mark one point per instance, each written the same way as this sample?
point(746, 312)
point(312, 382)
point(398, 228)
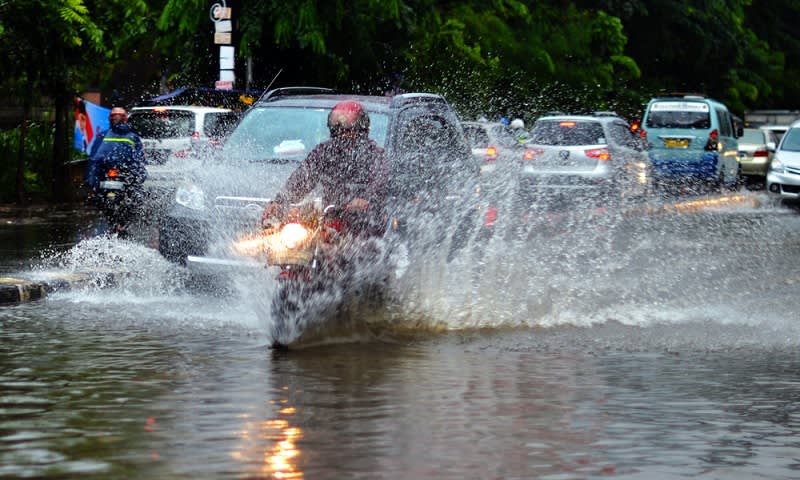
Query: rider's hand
point(271, 211)
point(358, 204)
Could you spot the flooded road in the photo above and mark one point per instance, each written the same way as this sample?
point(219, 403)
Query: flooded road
point(654, 346)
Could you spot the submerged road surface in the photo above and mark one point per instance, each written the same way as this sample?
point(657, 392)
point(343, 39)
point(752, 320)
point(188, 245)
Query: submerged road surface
point(662, 345)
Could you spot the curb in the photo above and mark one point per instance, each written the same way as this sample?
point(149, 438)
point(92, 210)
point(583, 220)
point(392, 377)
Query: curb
point(15, 291)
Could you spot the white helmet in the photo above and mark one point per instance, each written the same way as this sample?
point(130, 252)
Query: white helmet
point(517, 123)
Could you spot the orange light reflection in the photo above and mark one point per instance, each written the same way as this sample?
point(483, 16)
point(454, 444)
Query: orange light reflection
point(279, 460)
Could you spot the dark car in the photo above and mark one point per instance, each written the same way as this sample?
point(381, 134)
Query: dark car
point(432, 165)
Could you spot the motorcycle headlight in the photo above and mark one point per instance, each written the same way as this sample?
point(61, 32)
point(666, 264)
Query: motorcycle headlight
point(191, 196)
point(293, 234)
point(776, 165)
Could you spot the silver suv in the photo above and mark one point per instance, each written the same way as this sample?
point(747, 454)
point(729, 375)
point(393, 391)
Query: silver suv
point(421, 133)
point(585, 157)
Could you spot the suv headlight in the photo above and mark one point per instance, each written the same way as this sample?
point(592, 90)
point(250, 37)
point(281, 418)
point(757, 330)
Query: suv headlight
point(191, 196)
point(776, 165)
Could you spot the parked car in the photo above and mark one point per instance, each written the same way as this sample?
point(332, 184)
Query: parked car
point(756, 148)
point(491, 141)
point(783, 177)
point(592, 157)
point(432, 166)
point(166, 130)
point(692, 141)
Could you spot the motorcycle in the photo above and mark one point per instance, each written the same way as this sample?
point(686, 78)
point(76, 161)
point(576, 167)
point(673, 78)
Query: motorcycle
point(316, 254)
point(118, 198)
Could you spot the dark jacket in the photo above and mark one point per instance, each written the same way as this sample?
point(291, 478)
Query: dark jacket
point(345, 169)
point(118, 147)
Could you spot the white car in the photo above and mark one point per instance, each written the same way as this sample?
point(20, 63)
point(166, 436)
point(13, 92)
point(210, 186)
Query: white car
point(783, 177)
point(590, 158)
point(175, 139)
point(166, 130)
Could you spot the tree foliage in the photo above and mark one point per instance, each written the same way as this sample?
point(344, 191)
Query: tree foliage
point(491, 57)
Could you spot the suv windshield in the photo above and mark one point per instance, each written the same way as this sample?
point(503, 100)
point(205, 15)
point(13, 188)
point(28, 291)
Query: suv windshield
point(287, 133)
point(679, 115)
point(162, 124)
point(567, 132)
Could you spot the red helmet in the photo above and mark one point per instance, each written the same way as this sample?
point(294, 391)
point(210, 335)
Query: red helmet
point(348, 116)
point(117, 115)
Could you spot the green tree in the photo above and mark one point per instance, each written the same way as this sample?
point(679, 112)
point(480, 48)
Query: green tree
point(55, 49)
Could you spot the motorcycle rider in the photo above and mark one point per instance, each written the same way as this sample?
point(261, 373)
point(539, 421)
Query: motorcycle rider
point(120, 148)
point(518, 130)
point(351, 168)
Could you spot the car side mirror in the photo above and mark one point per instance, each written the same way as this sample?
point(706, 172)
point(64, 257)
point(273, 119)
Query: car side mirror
point(771, 146)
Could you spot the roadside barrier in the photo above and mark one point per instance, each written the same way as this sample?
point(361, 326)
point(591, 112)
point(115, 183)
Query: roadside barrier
point(15, 290)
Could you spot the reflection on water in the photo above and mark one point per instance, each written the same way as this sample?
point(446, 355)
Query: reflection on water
point(103, 398)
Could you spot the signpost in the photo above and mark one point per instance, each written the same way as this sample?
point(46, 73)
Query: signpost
point(220, 14)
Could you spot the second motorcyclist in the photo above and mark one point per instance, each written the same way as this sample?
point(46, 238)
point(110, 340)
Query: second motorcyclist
point(118, 148)
point(351, 168)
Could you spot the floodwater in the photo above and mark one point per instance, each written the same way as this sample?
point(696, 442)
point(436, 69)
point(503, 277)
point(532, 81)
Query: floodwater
point(659, 345)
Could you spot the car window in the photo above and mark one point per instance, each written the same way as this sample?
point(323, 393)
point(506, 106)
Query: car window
point(430, 135)
point(476, 136)
point(770, 136)
point(567, 133)
point(752, 135)
point(219, 124)
point(791, 140)
point(678, 114)
point(287, 133)
point(778, 132)
point(621, 134)
point(504, 135)
point(160, 124)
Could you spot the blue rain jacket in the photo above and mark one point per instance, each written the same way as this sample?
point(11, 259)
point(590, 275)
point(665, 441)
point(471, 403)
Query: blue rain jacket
point(118, 147)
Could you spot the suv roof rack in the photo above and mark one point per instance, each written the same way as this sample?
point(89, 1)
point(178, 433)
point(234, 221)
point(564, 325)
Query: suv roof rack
point(287, 91)
point(409, 98)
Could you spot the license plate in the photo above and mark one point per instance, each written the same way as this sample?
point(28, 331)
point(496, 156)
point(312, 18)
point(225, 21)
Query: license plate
point(676, 142)
point(112, 185)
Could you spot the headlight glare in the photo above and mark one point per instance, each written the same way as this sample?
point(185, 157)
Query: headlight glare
point(293, 234)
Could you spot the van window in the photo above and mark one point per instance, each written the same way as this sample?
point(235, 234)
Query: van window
point(724, 122)
point(679, 114)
